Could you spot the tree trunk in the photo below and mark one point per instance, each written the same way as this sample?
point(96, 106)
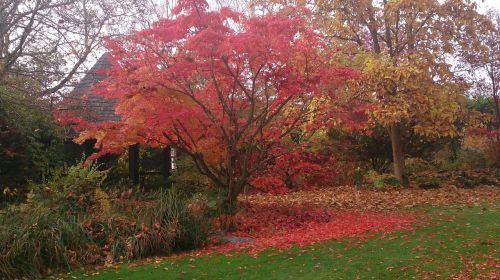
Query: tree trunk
point(398, 154)
point(234, 191)
point(133, 164)
point(229, 203)
point(497, 109)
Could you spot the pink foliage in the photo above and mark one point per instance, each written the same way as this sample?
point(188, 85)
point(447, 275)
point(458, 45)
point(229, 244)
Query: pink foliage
point(224, 88)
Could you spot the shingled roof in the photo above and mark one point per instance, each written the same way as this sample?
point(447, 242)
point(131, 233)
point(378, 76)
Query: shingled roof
point(88, 105)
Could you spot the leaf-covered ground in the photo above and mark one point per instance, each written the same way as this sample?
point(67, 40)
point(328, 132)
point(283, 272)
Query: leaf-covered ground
point(349, 197)
point(274, 226)
point(454, 235)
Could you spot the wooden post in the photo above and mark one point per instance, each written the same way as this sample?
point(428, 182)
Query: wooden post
point(133, 164)
point(167, 162)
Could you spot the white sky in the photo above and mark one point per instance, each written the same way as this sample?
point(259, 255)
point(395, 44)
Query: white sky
point(485, 4)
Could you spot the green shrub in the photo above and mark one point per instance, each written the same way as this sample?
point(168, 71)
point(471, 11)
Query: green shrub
point(71, 187)
point(466, 182)
point(391, 180)
point(371, 176)
point(187, 217)
point(186, 178)
point(358, 176)
point(45, 232)
point(377, 180)
point(173, 224)
point(488, 181)
point(42, 241)
point(416, 165)
point(428, 182)
point(471, 159)
point(470, 179)
point(70, 221)
point(78, 178)
point(445, 160)
point(158, 240)
point(466, 159)
point(378, 183)
point(31, 145)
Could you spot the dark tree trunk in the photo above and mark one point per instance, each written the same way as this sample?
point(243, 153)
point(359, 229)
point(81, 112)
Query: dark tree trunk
point(133, 164)
point(497, 110)
point(234, 190)
point(398, 154)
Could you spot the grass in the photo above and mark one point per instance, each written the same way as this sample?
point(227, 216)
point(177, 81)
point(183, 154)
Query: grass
point(457, 239)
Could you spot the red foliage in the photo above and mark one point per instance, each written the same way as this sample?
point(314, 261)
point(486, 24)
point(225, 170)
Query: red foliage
point(300, 169)
point(225, 89)
point(281, 226)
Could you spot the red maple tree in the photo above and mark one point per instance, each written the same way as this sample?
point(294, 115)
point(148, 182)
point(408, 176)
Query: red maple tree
point(232, 92)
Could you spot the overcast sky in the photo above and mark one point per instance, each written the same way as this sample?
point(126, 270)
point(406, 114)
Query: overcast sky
point(485, 4)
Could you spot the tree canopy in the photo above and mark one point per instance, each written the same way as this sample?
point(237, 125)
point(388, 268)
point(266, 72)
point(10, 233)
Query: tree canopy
point(226, 89)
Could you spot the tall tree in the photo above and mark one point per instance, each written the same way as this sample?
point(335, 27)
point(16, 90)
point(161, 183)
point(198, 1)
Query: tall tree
point(44, 46)
point(406, 51)
point(226, 89)
point(45, 43)
point(485, 64)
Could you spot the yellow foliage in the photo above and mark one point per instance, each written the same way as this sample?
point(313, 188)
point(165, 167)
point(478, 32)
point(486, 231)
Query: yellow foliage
point(104, 203)
point(401, 47)
point(407, 92)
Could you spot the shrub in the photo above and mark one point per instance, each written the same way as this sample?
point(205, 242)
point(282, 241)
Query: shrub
point(445, 160)
point(42, 241)
point(188, 219)
point(416, 165)
point(71, 221)
point(467, 158)
point(44, 233)
point(158, 240)
point(377, 180)
point(186, 178)
point(465, 180)
point(173, 224)
point(470, 158)
point(71, 187)
point(428, 182)
point(31, 145)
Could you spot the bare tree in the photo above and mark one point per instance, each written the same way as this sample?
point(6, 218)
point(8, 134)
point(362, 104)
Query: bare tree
point(487, 61)
point(45, 43)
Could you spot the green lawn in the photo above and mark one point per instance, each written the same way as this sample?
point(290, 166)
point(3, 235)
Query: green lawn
point(455, 240)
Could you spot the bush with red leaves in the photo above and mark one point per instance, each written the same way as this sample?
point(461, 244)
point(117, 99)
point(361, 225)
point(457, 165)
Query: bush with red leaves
point(301, 169)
